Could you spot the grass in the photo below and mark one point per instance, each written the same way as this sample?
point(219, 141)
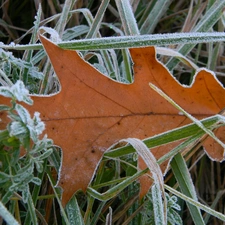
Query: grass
point(28, 193)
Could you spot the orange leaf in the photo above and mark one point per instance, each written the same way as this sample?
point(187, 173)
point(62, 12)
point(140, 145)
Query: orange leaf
point(92, 111)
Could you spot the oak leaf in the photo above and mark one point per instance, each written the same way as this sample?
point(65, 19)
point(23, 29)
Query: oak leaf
point(91, 112)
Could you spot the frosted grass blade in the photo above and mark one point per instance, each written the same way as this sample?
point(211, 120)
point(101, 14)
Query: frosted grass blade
point(167, 137)
point(114, 191)
point(73, 212)
point(6, 215)
point(183, 178)
point(158, 10)
point(127, 17)
point(31, 210)
point(157, 205)
point(130, 28)
point(142, 41)
point(60, 27)
point(127, 65)
point(97, 20)
point(130, 41)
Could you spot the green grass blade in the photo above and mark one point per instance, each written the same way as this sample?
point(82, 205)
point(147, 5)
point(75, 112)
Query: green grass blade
point(142, 41)
point(98, 18)
point(114, 191)
point(60, 27)
point(127, 65)
point(115, 70)
point(130, 41)
point(31, 210)
point(130, 28)
point(183, 178)
point(158, 10)
point(127, 17)
point(213, 57)
point(167, 137)
point(73, 212)
point(144, 12)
